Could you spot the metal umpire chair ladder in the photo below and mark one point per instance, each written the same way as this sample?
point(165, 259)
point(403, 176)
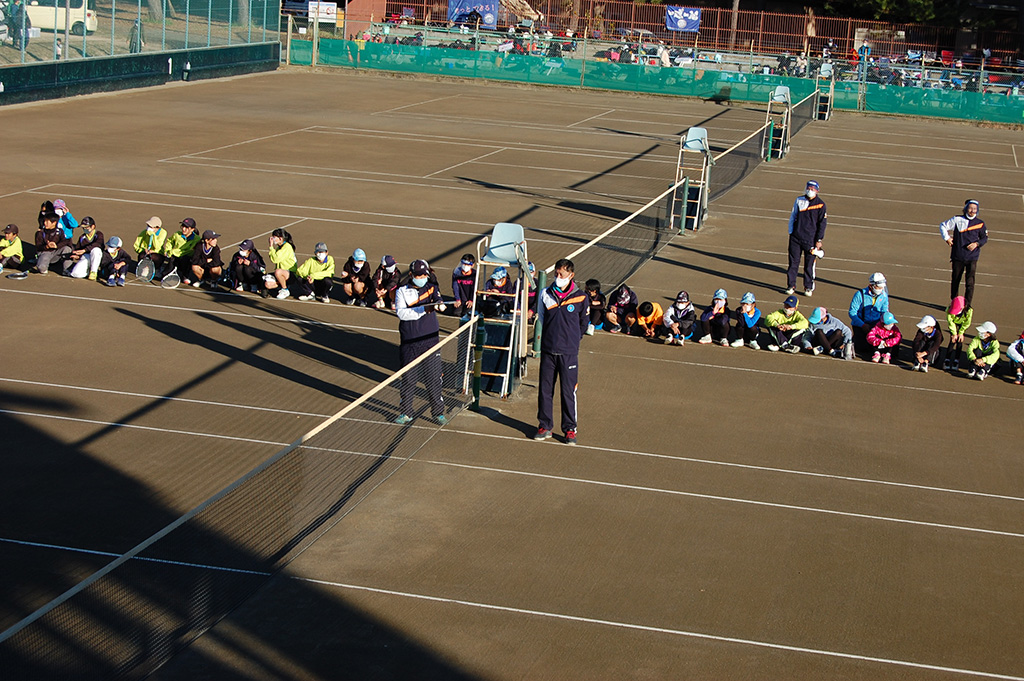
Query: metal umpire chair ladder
point(689, 206)
point(825, 95)
point(779, 140)
point(505, 247)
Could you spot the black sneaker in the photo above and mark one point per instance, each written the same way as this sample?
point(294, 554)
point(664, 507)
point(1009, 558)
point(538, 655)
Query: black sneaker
point(542, 434)
point(570, 437)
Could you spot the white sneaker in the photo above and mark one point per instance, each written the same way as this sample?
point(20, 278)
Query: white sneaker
point(982, 375)
point(917, 367)
point(283, 293)
point(324, 299)
point(724, 342)
point(195, 284)
point(792, 349)
point(308, 296)
point(876, 357)
point(705, 340)
point(753, 345)
point(772, 347)
point(924, 368)
point(738, 343)
point(809, 292)
point(240, 289)
point(817, 350)
point(379, 305)
point(680, 341)
point(972, 372)
point(790, 291)
point(590, 329)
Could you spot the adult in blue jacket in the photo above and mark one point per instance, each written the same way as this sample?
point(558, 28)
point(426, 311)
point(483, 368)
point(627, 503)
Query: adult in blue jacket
point(965, 234)
point(563, 313)
point(867, 307)
point(807, 225)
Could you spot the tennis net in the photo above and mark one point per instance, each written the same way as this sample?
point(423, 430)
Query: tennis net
point(803, 112)
point(130, 617)
point(735, 163)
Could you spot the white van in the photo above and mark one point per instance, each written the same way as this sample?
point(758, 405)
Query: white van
point(50, 14)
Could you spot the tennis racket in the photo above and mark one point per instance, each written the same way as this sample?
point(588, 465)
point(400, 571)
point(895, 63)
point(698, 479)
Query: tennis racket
point(171, 280)
point(145, 270)
point(17, 275)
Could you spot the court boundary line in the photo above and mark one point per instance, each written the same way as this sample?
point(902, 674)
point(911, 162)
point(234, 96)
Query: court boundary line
point(1013, 148)
point(663, 630)
point(718, 638)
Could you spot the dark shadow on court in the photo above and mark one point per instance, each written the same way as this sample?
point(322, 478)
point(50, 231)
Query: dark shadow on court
point(65, 514)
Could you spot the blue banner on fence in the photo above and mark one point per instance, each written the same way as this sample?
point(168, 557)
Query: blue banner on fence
point(682, 18)
point(467, 11)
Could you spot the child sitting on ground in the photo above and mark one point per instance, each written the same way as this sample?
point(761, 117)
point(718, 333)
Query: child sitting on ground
point(355, 279)
point(621, 314)
point(282, 256)
point(598, 303)
point(650, 320)
point(150, 242)
point(315, 274)
point(178, 250)
point(983, 352)
point(385, 282)
point(463, 281)
point(830, 335)
point(958, 317)
point(927, 343)
point(748, 316)
point(114, 263)
point(12, 251)
point(207, 265)
point(788, 328)
point(246, 268)
point(1016, 354)
point(885, 338)
point(714, 321)
point(86, 252)
point(680, 319)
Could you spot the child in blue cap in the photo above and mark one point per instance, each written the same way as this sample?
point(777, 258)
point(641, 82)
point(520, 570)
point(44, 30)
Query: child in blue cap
point(748, 316)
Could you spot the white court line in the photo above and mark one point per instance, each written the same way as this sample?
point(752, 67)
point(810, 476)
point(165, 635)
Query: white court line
point(165, 398)
point(1013, 148)
point(26, 191)
point(216, 313)
point(247, 141)
point(663, 630)
point(831, 379)
point(717, 497)
point(862, 142)
point(540, 613)
point(600, 115)
point(406, 106)
point(888, 180)
point(754, 467)
point(117, 424)
point(472, 160)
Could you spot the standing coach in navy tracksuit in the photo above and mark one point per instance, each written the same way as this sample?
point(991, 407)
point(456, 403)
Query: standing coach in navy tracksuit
point(416, 305)
point(807, 225)
point(563, 310)
point(965, 234)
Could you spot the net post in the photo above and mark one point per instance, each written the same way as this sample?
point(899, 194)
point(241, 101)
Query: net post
point(771, 140)
point(478, 363)
point(686, 206)
point(538, 324)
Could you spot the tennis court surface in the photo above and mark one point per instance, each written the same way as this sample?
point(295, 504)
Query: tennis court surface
point(728, 514)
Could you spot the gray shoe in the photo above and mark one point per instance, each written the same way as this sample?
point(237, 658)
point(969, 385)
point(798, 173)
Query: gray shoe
point(848, 351)
point(792, 349)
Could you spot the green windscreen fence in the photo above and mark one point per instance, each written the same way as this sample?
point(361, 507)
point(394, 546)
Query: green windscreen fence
point(723, 86)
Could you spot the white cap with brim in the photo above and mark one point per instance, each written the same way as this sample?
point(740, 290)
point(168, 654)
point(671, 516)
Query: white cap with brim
point(987, 327)
point(927, 321)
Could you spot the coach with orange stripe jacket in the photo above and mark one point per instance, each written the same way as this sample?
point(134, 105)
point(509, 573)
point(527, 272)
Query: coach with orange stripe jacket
point(807, 225)
point(563, 313)
point(965, 234)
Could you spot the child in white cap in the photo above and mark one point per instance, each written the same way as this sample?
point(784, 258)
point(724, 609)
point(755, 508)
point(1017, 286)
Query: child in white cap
point(983, 352)
point(1016, 354)
point(927, 343)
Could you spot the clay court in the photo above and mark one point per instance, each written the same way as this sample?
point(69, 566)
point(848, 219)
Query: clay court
point(728, 514)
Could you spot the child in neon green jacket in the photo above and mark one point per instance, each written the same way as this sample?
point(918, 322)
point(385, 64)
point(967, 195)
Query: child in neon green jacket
point(958, 316)
point(983, 352)
point(315, 274)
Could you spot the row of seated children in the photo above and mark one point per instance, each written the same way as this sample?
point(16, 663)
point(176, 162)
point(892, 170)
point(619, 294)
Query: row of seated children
point(497, 298)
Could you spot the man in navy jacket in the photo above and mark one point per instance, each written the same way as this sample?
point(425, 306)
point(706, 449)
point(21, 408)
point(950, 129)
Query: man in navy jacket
point(965, 234)
point(807, 225)
point(563, 310)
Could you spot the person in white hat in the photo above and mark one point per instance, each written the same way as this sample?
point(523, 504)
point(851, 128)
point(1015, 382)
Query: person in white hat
point(965, 234)
point(983, 352)
point(866, 307)
point(927, 343)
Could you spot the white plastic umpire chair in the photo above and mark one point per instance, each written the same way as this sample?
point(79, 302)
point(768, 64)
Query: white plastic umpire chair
point(826, 91)
point(695, 161)
point(505, 247)
point(779, 112)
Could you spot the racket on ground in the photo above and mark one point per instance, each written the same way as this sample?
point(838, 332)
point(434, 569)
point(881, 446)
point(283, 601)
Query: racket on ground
point(171, 280)
point(145, 270)
point(17, 275)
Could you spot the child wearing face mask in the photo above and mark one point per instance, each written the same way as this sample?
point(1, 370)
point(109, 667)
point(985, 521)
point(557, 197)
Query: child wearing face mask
point(247, 268)
point(502, 288)
point(114, 262)
point(179, 249)
point(207, 265)
point(67, 221)
point(282, 257)
point(356, 278)
point(385, 283)
point(86, 252)
point(621, 314)
point(417, 304)
point(748, 316)
point(807, 224)
point(885, 338)
point(315, 275)
point(680, 319)
point(150, 242)
point(866, 307)
point(714, 321)
point(463, 281)
point(598, 302)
